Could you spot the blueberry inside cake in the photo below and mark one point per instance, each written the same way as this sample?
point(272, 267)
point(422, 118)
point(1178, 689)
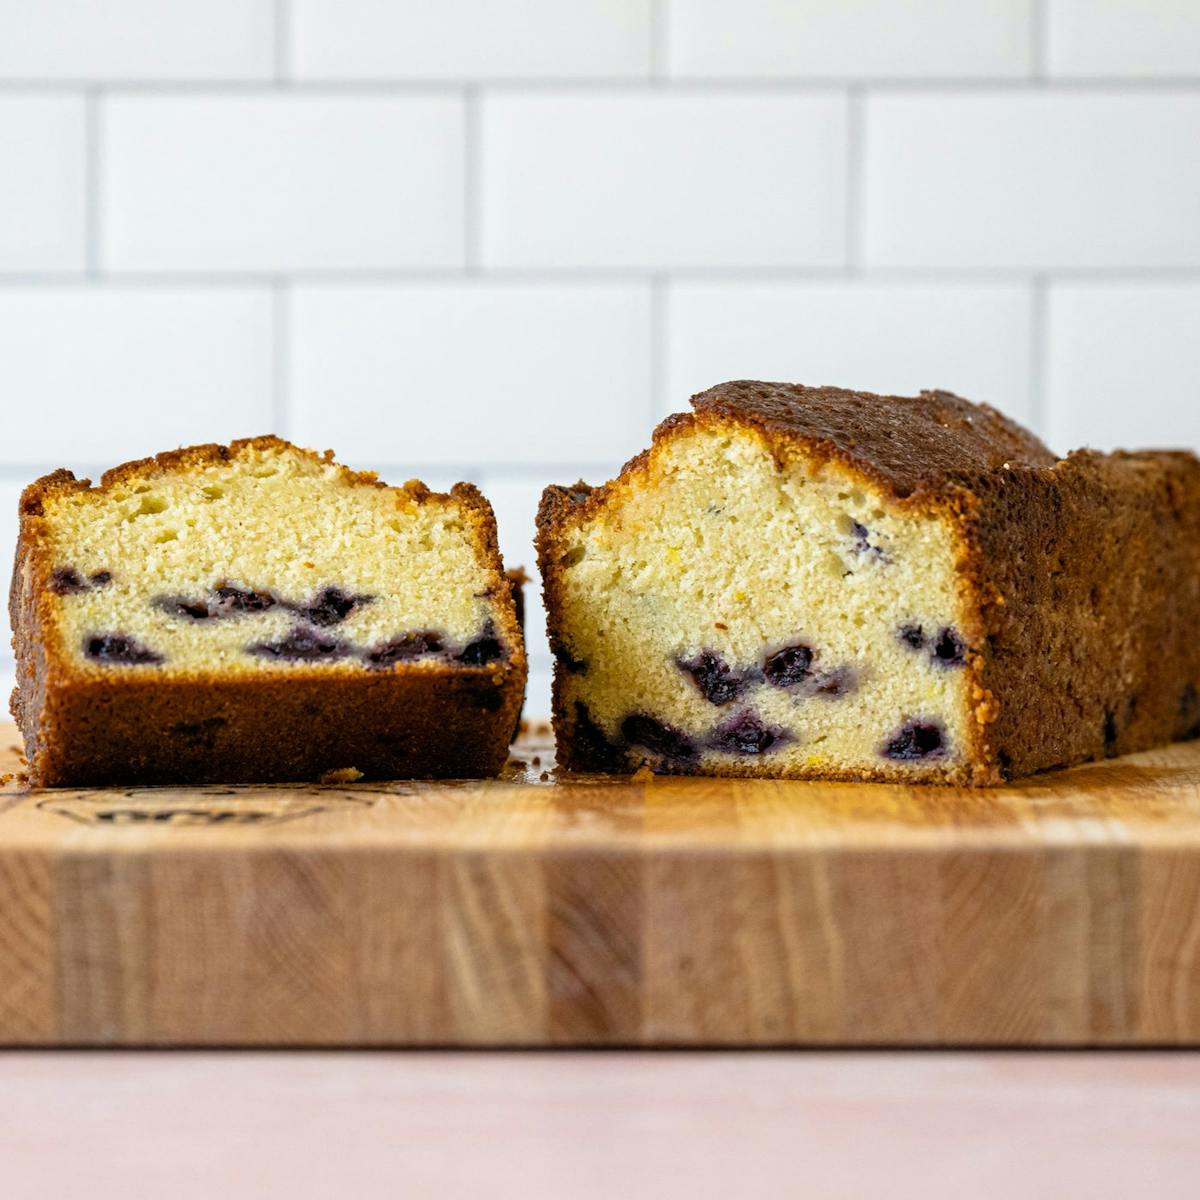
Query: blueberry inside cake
point(812, 582)
point(257, 611)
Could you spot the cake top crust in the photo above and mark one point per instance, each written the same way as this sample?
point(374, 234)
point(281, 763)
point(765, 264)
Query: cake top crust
point(193, 458)
point(910, 444)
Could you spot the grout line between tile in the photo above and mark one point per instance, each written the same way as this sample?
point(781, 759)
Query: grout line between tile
point(855, 193)
point(950, 276)
point(1183, 84)
point(472, 180)
point(91, 183)
point(283, 41)
point(532, 472)
point(281, 347)
point(1038, 334)
point(1038, 28)
point(659, 317)
point(658, 41)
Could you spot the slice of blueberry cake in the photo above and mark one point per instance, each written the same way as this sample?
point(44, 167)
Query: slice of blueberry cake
point(819, 583)
point(258, 612)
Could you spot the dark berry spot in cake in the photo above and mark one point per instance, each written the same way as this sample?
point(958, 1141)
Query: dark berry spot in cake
point(231, 600)
point(118, 648)
point(181, 606)
point(638, 729)
point(788, 667)
point(332, 605)
point(575, 665)
point(482, 650)
point(404, 648)
point(717, 681)
point(841, 681)
point(916, 740)
point(301, 645)
point(224, 601)
point(592, 747)
point(66, 581)
point(946, 648)
point(949, 649)
point(746, 734)
point(862, 542)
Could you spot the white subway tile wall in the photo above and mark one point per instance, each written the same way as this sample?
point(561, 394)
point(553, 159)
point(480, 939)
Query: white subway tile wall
point(516, 503)
point(477, 372)
point(1123, 38)
point(971, 338)
point(10, 494)
point(1032, 181)
point(95, 375)
point(655, 179)
point(498, 239)
point(479, 39)
point(1124, 364)
point(277, 182)
point(42, 184)
point(119, 40)
point(816, 39)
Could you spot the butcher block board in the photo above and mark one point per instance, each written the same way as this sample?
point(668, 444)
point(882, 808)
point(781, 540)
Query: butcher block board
point(544, 910)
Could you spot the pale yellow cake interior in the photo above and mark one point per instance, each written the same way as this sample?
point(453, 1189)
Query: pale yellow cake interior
point(270, 519)
point(719, 549)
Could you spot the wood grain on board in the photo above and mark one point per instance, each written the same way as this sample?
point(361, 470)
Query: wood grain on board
point(597, 911)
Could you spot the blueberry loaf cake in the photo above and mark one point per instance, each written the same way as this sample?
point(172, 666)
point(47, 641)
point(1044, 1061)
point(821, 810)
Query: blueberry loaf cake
point(257, 612)
point(818, 583)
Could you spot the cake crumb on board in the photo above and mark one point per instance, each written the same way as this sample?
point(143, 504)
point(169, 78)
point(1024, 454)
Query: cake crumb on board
point(341, 775)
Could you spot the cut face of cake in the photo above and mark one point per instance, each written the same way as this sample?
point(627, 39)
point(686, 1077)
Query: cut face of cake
point(259, 612)
point(819, 583)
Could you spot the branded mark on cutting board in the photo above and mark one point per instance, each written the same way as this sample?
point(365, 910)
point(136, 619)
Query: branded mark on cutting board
point(235, 807)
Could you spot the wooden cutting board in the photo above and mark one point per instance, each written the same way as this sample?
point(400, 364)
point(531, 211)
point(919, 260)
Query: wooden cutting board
point(535, 910)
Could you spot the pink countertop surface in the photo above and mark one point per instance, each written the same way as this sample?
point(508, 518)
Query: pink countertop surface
point(971, 1125)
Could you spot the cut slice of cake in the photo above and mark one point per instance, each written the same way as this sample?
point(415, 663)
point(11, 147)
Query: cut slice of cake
point(257, 612)
point(818, 583)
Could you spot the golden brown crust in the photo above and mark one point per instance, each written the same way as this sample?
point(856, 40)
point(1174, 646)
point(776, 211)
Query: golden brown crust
point(517, 578)
point(905, 444)
point(1087, 577)
point(911, 447)
point(426, 721)
point(1080, 577)
point(413, 720)
point(140, 470)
